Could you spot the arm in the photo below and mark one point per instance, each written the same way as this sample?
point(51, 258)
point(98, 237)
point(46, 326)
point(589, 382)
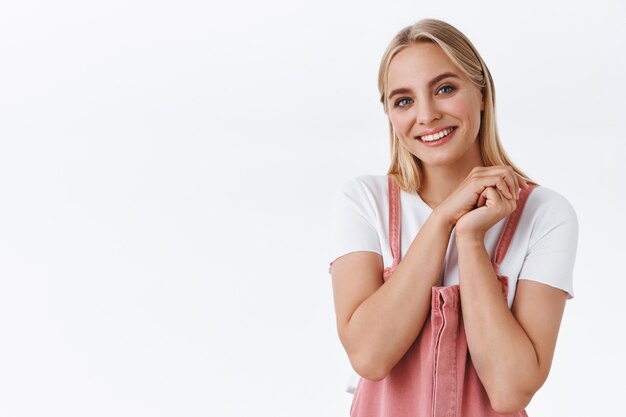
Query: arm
point(511, 350)
point(378, 323)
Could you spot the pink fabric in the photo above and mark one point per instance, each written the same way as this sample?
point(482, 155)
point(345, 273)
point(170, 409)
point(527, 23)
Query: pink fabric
point(435, 378)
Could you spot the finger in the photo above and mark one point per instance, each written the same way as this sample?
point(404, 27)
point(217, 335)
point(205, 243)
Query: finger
point(517, 183)
point(499, 199)
point(523, 182)
point(489, 194)
point(510, 178)
point(507, 173)
point(495, 195)
point(482, 198)
point(503, 186)
point(498, 180)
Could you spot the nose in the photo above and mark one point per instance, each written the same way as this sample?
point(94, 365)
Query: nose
point(427, 112)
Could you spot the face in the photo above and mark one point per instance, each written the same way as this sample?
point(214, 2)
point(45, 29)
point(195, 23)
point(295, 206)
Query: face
point(433, 107)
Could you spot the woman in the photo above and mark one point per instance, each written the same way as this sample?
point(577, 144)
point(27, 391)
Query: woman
point(450, 274)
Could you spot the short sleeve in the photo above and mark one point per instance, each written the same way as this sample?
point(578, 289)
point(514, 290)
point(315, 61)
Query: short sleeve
point(552, 247)
point(353, 220)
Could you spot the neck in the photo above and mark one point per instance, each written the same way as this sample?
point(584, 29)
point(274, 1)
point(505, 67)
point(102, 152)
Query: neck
point(440, 181)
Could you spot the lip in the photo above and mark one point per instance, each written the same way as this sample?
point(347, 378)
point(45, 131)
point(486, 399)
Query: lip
point(433, 131)
point(441, 141)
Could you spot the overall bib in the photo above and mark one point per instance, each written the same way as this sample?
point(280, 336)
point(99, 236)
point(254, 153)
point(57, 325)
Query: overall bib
point(435, 378)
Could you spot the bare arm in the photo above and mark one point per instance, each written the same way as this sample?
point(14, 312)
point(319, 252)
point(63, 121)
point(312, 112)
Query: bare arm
point(511, 350)
point(378, 323)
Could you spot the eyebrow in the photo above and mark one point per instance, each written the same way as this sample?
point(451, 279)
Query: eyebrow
point(430, 83)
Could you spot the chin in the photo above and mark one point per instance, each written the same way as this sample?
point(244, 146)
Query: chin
point(438, 160)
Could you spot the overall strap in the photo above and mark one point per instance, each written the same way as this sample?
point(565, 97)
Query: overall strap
point(394, 220)
point(509, 228)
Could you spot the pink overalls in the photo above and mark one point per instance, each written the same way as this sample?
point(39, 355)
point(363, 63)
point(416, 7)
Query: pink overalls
point(435, 378)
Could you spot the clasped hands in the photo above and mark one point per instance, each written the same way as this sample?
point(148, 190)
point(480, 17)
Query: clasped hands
point(486, 196)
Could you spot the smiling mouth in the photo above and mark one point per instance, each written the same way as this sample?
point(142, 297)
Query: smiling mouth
point(439, 135)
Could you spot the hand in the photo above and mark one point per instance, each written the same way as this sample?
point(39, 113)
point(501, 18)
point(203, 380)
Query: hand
point(493, 208)
point(472, 191)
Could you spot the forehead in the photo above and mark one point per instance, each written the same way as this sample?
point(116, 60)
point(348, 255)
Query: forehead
point(418, 64)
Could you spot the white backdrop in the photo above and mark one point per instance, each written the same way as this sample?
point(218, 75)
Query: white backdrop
point(166, 170)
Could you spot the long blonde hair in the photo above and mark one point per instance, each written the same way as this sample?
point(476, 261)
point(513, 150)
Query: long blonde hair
point(407, 168)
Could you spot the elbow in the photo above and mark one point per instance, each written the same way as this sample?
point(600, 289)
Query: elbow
point(509, 403)
point(366, 360)
point(509, 398)
point(368, 367)
point(509, 407)
point(371, 373)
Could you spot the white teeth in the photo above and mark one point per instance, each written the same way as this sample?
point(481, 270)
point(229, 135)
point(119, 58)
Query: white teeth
point(436, 136)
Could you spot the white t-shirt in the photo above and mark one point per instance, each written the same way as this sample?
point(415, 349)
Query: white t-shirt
point(543, 248)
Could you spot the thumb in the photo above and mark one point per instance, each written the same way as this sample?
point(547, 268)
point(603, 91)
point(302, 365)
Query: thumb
point(482, 198)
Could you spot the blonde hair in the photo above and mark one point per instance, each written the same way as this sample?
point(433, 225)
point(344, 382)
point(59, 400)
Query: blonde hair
point(407, 168)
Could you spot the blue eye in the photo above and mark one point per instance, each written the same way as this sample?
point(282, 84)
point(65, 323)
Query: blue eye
point(446, 87)
point(401, 100)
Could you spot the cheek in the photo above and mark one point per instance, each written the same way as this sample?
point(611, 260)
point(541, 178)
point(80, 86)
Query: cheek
point(468, 109)
point(402, 127)
point(464, 107)
point(401, 122)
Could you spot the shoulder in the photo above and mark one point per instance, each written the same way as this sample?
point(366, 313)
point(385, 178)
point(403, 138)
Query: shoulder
point(551, 231)
point(364, 187)
point(546, 204)
point(550, 218)
point(355, 215)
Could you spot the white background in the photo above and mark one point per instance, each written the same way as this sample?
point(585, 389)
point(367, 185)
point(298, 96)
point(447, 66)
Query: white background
point(166, 170)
